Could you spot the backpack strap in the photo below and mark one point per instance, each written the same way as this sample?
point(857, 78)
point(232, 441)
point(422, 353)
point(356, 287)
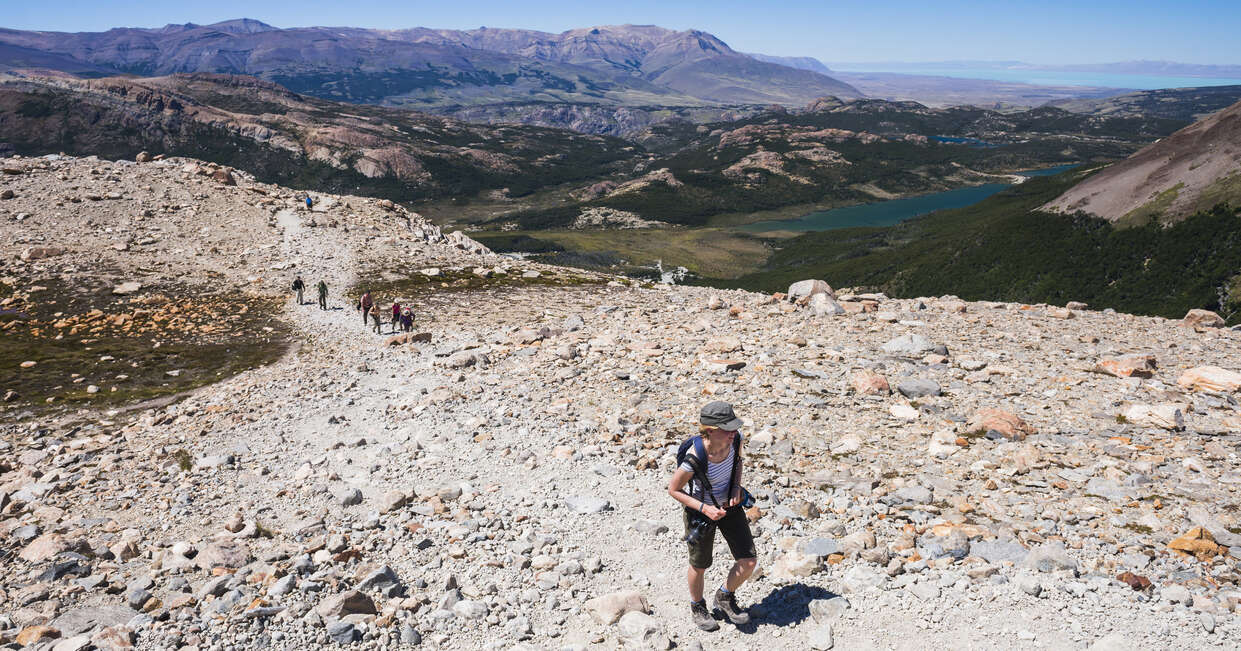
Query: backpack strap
point(735, 478)
point(698, 461)
point(700, 449)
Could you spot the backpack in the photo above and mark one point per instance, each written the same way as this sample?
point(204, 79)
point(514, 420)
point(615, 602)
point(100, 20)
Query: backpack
point(699, 462)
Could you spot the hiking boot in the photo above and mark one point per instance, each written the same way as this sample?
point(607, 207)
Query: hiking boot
point(702, 618)
point(727, 602)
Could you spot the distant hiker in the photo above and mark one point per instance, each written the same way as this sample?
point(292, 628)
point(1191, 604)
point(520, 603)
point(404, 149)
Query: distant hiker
point(375, 316)
point(366, 303)
point(310, 203)
point(710, 464)
point(407, 320)
point(396, 315)
point(299, 287)
point(322, 287)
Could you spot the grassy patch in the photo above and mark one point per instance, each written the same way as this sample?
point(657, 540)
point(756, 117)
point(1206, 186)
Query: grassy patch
point(415, 285)
point(1224, 190)
point(705, 251)
point(184, 462)
point(161, 342)
point(1152, 210)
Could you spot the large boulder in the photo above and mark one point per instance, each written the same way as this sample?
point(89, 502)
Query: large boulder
point(465, 243)
point(802, 290)
point(642, 631)
point(1007, 424)
point(351, 602)
point(44, 547)
point(224, 177)
point(125, 289)
point(1050, 557)
point(1142, 366)
point(83, 620)
point(868, 382)
point(794, 564)
point(41, 252)
point(609, 608)
point(910, 345)
point(918, 387)
point(725, 344)
point(230, 554)
point(1198, 543)
point(1203, 319)
point(1167, 417)
point(1210, 378)
point(822, 305)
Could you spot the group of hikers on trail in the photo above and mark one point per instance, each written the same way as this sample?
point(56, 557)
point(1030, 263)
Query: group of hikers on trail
point(402, 316)
point(299, 286)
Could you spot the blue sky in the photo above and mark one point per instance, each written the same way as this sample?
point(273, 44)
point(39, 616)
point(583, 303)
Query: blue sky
point(1051, 31)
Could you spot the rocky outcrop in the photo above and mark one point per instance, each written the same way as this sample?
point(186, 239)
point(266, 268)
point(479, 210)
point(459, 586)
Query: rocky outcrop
point(275, 134)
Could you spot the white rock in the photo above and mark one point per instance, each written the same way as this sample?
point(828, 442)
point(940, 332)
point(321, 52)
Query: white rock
point(1162, 416)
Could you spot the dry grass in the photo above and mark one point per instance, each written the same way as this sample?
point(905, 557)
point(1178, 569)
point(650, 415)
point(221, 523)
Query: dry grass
point(712, 252)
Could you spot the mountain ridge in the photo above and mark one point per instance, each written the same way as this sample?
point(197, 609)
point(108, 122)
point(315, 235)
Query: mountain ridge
point(621, 64)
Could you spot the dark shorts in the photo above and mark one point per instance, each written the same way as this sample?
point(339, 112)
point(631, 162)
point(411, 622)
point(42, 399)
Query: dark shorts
point(736, 530)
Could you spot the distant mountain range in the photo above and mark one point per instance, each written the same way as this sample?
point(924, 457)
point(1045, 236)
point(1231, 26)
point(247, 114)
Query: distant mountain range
point(1168, 68)
point(801, 63)
point(630, 65)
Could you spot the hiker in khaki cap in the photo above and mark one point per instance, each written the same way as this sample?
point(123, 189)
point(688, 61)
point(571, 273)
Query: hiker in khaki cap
point(707, 483)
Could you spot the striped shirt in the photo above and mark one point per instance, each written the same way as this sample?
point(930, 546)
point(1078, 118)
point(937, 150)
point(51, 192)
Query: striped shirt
point(718, 475)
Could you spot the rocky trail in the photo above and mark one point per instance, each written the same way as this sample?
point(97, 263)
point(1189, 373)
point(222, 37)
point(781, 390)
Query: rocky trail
point(929, 472)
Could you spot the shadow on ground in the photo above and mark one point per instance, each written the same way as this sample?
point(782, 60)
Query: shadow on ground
point(785, 606)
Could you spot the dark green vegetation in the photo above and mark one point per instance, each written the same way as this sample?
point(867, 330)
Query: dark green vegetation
point(900, 163)
point(127, 363)
point(1002, 249)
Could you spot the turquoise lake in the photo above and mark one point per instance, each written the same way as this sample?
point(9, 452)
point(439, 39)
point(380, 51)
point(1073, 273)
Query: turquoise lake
point(887, 213)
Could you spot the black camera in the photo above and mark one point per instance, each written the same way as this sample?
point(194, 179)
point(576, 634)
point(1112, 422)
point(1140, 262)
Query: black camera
point(699, 524)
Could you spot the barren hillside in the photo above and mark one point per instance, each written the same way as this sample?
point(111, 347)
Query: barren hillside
point(1190, 170)
point(928, 472)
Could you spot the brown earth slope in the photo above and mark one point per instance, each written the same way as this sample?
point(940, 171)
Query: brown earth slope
point(1191, 170)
